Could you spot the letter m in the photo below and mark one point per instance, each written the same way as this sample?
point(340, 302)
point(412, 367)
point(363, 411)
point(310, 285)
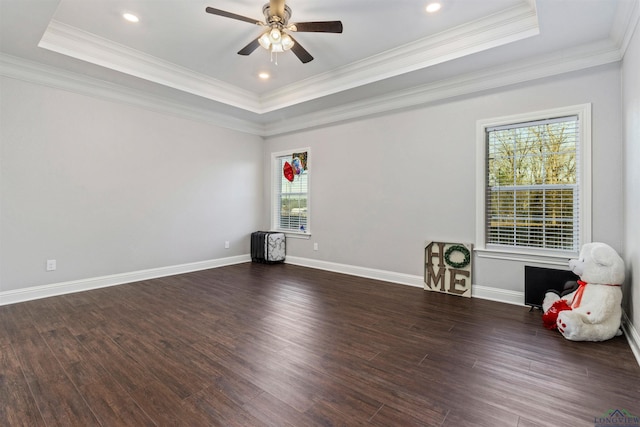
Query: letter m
point(434, 278)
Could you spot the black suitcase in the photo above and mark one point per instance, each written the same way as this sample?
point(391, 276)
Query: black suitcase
point(268, 247)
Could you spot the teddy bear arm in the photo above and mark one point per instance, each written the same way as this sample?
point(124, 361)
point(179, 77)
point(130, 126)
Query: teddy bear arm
point(590, 313)
point(595, 312)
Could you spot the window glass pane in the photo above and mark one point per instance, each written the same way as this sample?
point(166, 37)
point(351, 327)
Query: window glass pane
point(290, 199)
point(532, 185)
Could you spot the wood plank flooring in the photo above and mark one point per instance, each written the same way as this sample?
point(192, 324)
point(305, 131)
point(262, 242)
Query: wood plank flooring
point(281, 345)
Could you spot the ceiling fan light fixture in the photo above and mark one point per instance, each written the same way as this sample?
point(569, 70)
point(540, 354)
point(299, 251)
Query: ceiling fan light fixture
point(264, 41)
point(287, 41)
point(276, 41)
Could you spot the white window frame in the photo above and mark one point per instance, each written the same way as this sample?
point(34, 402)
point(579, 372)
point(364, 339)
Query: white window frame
point(545, 256)
point(274, 205)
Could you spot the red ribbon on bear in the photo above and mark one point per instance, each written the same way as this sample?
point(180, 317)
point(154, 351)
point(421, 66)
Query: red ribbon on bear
point(288, 171)
point(577, 298)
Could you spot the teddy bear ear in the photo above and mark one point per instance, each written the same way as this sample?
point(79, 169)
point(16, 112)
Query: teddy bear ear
point(603, 255)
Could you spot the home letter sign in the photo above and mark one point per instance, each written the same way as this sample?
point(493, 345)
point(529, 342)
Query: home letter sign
point(447, 268)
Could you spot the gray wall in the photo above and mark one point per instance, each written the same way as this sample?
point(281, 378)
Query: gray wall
point(107, 188)
point(631, 102)
point(383, 186)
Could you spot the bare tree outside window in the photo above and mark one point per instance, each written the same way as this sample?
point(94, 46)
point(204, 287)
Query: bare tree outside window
point(532, 191)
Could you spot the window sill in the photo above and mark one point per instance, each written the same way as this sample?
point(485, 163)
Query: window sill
point(524, 256)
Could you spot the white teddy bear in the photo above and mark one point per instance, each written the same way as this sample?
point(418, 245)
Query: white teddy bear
point(592, 312)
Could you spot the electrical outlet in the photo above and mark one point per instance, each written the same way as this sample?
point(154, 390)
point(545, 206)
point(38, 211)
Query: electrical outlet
point(51, 264)
point(226, 244)
point(315, 246)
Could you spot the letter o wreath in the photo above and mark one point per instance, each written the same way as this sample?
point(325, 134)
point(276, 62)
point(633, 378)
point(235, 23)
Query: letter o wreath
point(459, 248)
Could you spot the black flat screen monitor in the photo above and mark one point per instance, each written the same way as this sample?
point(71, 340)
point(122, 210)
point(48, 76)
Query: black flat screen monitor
point(538, 280)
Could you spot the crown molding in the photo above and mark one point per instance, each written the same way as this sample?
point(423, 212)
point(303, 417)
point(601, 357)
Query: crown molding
point(86, 46)
point(33, 72)
point(495, 30)
point(585, 57)
point(625, 24)
point(559, 63)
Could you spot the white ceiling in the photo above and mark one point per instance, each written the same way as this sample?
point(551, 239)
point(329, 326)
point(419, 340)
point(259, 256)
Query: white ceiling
point(391, 52)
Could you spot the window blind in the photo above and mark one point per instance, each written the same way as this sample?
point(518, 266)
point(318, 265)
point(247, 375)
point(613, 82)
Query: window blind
point(532, 191)
point(290, 199)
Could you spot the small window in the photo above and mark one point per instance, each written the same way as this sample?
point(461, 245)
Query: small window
point(535, 191)
point(290, 192)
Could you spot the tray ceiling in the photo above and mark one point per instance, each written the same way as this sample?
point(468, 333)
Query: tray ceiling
point(180, 53)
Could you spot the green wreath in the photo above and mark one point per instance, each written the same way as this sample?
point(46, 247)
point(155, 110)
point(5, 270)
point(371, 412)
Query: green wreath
point(460, 248)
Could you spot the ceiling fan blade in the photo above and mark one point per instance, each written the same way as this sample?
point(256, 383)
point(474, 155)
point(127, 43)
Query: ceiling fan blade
point(248, 49)
point(276, 8)
point(318, 27)
point(232, 15)
point(300, 52)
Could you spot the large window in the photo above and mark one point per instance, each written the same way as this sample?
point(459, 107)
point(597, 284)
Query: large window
point(290, 192)
point(535, 188)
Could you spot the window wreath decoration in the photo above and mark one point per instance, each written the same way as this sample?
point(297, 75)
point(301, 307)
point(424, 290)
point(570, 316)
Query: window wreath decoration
point(461, 249)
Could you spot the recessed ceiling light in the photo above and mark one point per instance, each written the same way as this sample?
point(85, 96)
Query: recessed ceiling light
point(130, 17)
point(433, 7)
point(264, 76)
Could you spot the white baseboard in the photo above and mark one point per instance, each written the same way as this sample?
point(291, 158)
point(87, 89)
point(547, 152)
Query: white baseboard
point(632, 335)
point(497, 294)
point(54, 289)
point(369, 273)
point(482, 292)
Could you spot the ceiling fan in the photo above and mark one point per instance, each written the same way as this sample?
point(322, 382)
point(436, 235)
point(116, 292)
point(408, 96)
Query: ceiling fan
point(276, 38)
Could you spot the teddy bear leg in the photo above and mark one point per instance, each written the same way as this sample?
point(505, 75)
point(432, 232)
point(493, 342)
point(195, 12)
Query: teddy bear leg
point(573, 326)
point(570, 325)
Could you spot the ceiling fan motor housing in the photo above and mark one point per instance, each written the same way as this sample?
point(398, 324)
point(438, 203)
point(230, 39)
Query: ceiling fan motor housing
point(271, 19)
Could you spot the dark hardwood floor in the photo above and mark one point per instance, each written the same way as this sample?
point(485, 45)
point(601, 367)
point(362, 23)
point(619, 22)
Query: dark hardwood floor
point(280, 345)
